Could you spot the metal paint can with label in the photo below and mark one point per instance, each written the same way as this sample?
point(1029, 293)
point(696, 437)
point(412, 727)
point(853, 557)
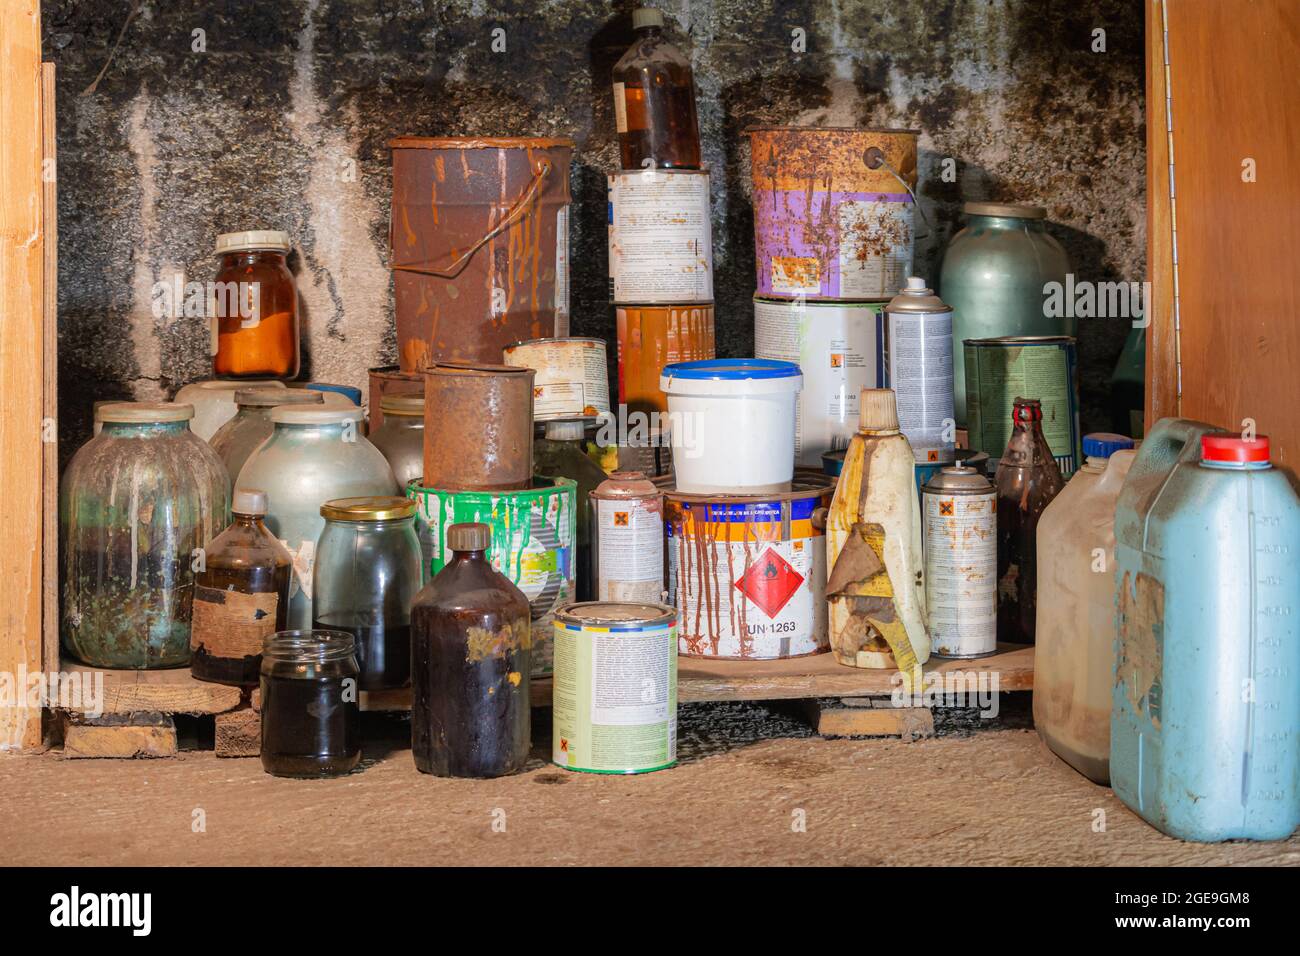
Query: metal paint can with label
point(651, 337)
point(614, 703)
point(959, 517)
point(837, 346)
point(918, 367)
point(660, 237)
point(572, 376)
point(627, 519)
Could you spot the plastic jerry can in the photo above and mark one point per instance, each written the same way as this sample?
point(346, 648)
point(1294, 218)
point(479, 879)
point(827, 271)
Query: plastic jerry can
point(1075, 624)
point(1205, 710)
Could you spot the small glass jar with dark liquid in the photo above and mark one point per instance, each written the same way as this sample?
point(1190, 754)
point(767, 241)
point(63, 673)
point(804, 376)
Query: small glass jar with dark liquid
point(654, 101)
point(311, 715)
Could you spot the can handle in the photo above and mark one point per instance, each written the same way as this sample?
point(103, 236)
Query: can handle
point(873, 157)
point(516, 213)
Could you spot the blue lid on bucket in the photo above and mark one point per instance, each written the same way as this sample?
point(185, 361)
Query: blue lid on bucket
point(731, 370)
point(1105, 444)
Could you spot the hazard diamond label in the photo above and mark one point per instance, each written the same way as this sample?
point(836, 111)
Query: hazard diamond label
point(770, 582)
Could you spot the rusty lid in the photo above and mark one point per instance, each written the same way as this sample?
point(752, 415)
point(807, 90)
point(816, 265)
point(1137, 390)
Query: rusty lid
point(625, 484)
point(480, 142)
point(476, 368)
point(749, 130)
point(959, 480)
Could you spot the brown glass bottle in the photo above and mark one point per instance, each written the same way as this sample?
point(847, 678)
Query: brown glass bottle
point(241, 596)
point(470, 639)
point(1028, 478)
point(254, 312)
point(654, 101)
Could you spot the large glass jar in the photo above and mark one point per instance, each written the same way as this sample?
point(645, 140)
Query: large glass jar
point(993, 275)
point(401, 436)
point(254, 310)
point(311, 715)
point(368, 570)
point(314, 454)
point(137, 503)
point(251, 425)
point(214, 402)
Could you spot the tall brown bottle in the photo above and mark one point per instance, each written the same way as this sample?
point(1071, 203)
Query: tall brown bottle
point(470, 640)
point(1028, 478)
point(654, 100)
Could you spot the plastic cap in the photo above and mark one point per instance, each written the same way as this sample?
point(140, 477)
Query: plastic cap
point(1027, 410)
point(263, 397)
point(410, 404)
point(295, 415)
point(1234, 449)
point(1105, 444)
point(272, 239)
point(647, 17)
point(565, 431)
point(732, 370)
point(879, 410)
point(916, 296)
point(249, 501)
point(144, 413)
point(352, 394)
point(471, 536)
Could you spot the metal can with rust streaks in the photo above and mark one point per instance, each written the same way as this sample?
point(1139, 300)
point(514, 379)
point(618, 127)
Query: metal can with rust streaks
point(660, 237)
point(833, 210)
point(478, 427)
point(652, 336)
point(572, 376)
point(747, 573)
point(627, 518)
point(960, 523)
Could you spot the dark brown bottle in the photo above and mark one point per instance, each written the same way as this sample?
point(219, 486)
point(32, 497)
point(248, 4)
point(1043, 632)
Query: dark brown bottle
point(470, 639)
point(241, 597)
point(654, 100)
point(1028, 478)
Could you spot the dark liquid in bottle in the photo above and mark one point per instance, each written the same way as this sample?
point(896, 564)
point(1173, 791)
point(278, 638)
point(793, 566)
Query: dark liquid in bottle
point(308, 728)
point(383, 651)
point(243, 670)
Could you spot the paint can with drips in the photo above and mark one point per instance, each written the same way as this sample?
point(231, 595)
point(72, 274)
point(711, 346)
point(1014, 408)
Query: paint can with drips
point(959, 518)
point(627, 519)
point(615, 694)
point(651, 337)
point(660, 237)
point(918, 367)
point(572, 377)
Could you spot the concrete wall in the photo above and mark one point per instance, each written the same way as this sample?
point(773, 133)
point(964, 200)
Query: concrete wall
point(280, 121)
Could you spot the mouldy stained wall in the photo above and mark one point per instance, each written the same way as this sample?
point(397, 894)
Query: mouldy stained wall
point(280, 121)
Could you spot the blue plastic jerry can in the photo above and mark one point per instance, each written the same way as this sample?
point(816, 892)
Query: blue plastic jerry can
point(1205, 713)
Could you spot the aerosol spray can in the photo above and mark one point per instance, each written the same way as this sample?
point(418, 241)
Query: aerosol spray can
point(961, 562)
point(918, 367)
point(627, 520)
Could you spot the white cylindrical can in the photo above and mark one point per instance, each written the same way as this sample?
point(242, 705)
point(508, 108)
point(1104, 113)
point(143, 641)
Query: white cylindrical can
point(660, 237)
point(918, 367)
point(572, 378)
point(627, 513)
point(961, 562)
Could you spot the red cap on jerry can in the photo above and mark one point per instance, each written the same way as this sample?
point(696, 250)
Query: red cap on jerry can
point(1232, 448)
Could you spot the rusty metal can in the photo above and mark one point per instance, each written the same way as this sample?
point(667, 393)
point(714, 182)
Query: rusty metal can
point(747, 573)
point(627, 518)
point(652, 336)
point(478, 427)
point(660, 236)
point(478, 244)
point(959, 517)
point(572, 376)
point(833, 210)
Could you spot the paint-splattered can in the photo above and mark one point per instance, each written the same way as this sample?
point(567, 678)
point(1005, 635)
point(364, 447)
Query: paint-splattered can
point(533, 534)
point(660, 236)
point(614, 707)
point(747, 573)
point(1045, 367)
point(918, 367)
point(837, 346)
point(833, 210)
point(627, 515)
point(572, 376)
point(959, 509)
point(652, 336)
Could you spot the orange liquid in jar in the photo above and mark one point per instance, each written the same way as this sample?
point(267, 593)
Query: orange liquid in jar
point(256, 332)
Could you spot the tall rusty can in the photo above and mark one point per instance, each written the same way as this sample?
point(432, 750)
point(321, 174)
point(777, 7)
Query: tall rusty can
point(478, 427)
point(627, 517)
point(960, 524)
point(652, 336)
point(478, 244)
point(833, 210)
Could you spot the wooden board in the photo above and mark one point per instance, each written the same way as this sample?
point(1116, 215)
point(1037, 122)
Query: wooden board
point(1162, 356)
point(837, 720)
point(168, 691)
point(50, 377)
point(120, 736)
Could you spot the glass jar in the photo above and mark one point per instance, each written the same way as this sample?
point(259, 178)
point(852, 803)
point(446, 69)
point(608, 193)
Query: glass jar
point(137, 503)
point(368, 570)
point(654, 100)
point(470, 647)
point(214, 403)
point(241, 596)
point(314, 455)
point(562, 453)
point(251, 424)
point(311, 718)
point(254, 309)
point(401, 436)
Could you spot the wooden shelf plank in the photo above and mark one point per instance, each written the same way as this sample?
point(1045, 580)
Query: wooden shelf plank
point(171, 691)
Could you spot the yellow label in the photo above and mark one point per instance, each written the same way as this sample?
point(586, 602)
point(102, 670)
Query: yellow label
point(620, 108)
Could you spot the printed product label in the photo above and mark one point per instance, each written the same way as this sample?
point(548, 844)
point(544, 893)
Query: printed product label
point(571, 378)
point(961, 567)
point(630, 552)
point(1000, 375)
point(919, 370)
point(660, 237)
point(562, 271)
point(876, 245)
point(792, 275)
point(615, 698)
point(620, 108)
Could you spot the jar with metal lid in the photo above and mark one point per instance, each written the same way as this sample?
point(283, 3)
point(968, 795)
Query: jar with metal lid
point(315, 454)
point(401, 436)
point(138, 502)
point(368, 570)
point(311, 718)
point(251, 425)
point(254, 307)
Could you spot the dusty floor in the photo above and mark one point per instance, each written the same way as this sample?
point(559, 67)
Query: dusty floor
point(748, 777)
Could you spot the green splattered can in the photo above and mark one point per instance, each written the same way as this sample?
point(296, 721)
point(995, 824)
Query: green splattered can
point(615, 696)
point(533, 535)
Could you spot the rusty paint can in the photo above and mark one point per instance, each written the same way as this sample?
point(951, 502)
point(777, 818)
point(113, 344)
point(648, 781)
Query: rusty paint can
point(652, 336)
point(833, 210)
point(389, 380)
point(572, 376)
point(478, 245)
point(747, 573)
point(627, 520)
point(960, 524)
point(478, 427)
point(660, 236)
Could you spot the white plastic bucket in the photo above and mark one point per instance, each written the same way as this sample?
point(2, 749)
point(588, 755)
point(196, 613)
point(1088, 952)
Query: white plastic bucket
point(732, 424)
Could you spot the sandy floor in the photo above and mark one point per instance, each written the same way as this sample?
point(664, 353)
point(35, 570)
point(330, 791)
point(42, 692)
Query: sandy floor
point(998, 797)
